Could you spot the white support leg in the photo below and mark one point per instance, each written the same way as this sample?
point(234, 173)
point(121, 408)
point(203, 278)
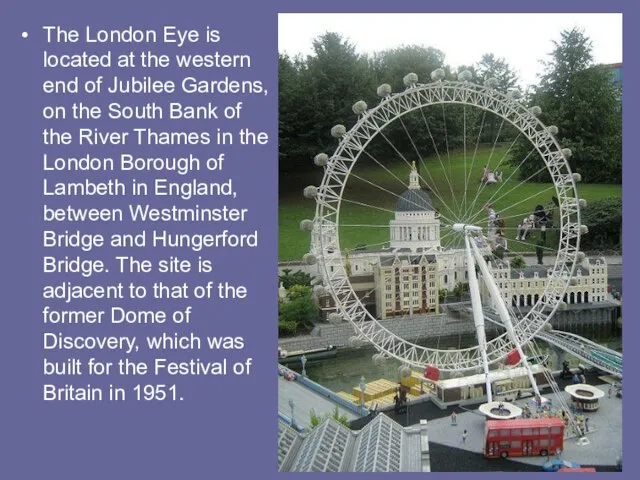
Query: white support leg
point(502, 311)
point(478, 316)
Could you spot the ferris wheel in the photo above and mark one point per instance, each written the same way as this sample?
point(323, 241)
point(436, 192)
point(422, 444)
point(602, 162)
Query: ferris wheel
point(437, 133)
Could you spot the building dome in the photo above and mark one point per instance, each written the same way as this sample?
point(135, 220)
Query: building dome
point(414, 200)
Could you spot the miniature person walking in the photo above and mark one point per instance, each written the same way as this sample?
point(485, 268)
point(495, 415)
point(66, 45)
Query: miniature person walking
point(586, 425)
point(464, 437)
point(610, 390)
point(491, 225)
point(540, 252)
point(454, 418)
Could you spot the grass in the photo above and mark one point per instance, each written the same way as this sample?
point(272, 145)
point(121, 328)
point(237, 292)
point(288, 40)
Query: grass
point(448, 177)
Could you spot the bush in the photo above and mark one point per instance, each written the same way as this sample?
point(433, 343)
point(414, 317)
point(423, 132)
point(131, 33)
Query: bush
point(604, 219)
point(315, 420)
point(299, 311)
point(288, 279)
point(517, 262)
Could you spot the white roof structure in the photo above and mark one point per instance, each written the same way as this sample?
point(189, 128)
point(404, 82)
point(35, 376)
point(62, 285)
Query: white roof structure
point(381, 446)
point(494, 375)
point(583, 391)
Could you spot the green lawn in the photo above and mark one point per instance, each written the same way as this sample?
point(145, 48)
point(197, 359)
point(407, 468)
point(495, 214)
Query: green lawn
point(448, 177)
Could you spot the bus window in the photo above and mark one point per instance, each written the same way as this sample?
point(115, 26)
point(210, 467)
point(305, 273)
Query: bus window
point(544, 431)
point(504, 433)
point(544, 442)
point(516, 444)
point(536, 432)
point(493, 433)
point(516, 432)
point(527, 431)
point(555, 430)
point(504, 444)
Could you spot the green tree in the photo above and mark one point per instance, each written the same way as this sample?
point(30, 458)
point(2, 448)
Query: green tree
point(443, 293)
point(338, 417)
point(336, 77)
point(391, 66)
point(604, 220)
point(460, 289)
point(315, 420)
point(517, 262)
point(315, 94)
point(293, 118)
point(582, 101)
point(409, 134)
point(491, 67)
point(299, 312)
point(298, 277)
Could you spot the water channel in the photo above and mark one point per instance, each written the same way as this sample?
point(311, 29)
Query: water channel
point(343, 372)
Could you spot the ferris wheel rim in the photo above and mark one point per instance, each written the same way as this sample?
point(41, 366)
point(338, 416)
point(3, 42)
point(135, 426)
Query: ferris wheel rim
point(326, 244)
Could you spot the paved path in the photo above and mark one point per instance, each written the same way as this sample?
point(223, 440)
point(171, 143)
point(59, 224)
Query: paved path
point(605, 435)
point(304, 399)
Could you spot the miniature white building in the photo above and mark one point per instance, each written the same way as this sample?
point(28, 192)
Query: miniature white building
point(523, 287)
point(407, 275)
point(416, 225)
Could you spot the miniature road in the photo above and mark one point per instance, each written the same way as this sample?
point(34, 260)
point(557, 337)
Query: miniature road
point(605, 435)
point(304, 400)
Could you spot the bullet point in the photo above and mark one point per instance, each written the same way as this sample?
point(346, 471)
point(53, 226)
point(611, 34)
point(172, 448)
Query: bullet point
point(25, 34)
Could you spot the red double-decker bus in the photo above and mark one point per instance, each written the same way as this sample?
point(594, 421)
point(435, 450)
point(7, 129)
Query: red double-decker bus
point(523, 437)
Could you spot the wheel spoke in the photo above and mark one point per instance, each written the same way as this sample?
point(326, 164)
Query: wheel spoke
point(475, 216)
point(393, 193)
point(484, 185)
point(335, 194)
point(433, 186)
point(493, 148)
point(446, 142)
point(435, 147)
point(473, 160)
point(421, 178)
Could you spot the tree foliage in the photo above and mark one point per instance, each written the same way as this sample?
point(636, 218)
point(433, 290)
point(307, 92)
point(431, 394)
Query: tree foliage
point(581, 99)
point(288, 279)
point(298, 312)
point(318, 92)
point(517, 262)
point(315, 419)
point(491, 67)
point(604, 220)
point(460, 289)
